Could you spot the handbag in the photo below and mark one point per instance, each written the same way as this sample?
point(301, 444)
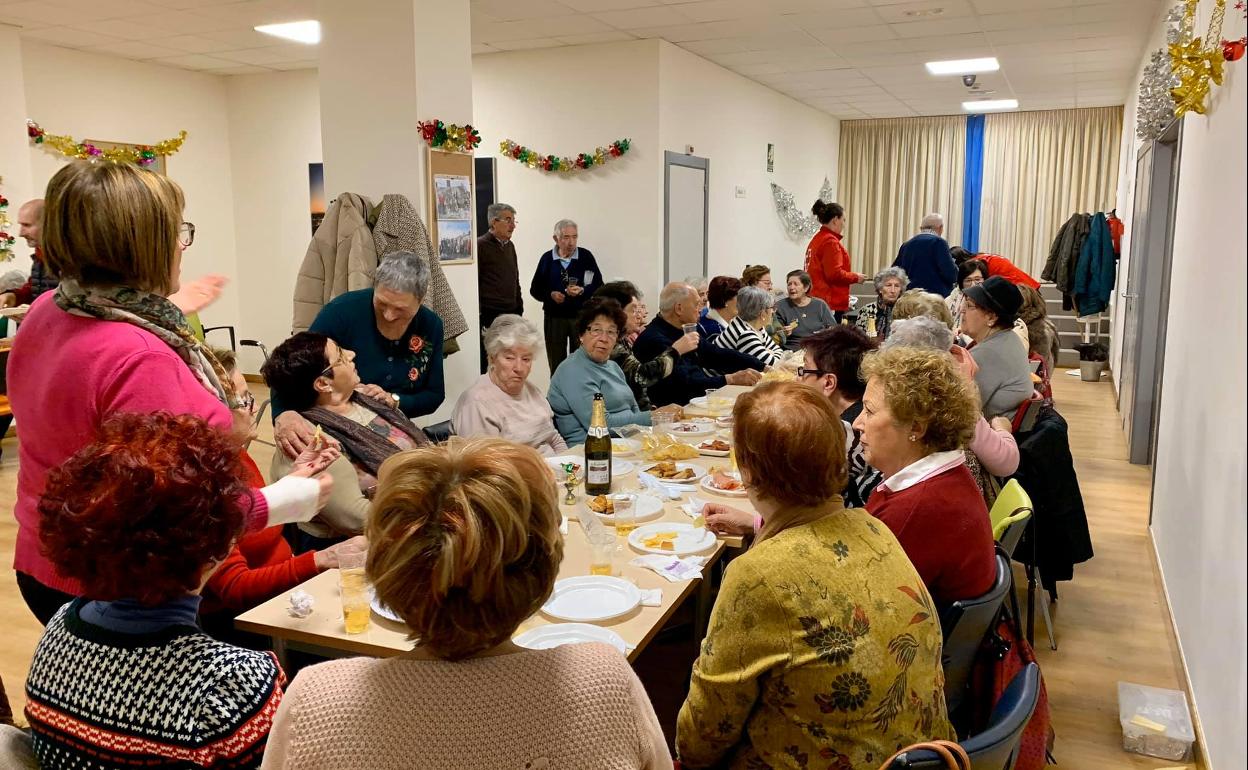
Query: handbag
point(953, 754)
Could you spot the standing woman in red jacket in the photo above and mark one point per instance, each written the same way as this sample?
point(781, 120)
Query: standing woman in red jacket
point(827, 261)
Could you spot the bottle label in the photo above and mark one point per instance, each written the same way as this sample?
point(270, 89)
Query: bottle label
point(598, 431)
point(597, 472)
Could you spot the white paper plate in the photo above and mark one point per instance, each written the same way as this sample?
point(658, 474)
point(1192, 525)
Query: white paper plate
point(382, 609)
point(700, 428)
point(556, 462)
point(724, 422)
point(711, 452)
point(706, 484)
point(689, 539)
point(647, 507)
point(559, 634)
point(592, 599)
point(625, 447)
point(622, 467)
point(699, 401)
point(698, 473)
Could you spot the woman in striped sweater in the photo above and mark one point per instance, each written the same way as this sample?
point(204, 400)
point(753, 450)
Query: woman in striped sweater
point(745, 333)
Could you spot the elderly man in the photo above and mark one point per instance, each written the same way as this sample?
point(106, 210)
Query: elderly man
point(926, 259)
point(565, 277)
point(41, 280)
point(498, 273)
point(699, 370)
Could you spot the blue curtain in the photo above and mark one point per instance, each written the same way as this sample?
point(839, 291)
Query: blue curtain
point(973, 185)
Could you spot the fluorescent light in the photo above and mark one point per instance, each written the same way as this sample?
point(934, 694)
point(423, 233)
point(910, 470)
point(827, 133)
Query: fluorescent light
point(308, 32)
point(990, 105)
point(963, 66)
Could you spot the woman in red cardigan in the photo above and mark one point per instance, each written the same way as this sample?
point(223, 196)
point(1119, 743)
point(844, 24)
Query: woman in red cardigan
point(918, 412)
point(827, 261)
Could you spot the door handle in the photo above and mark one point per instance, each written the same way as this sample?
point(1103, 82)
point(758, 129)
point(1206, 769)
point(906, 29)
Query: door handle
point(1125, 295)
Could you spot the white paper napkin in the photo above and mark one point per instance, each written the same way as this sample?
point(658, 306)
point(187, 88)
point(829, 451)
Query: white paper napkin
point(563, 526)
point(672, 568)
point(652, 597)
point(664, 491)
point(300, 604)
point(693, 508)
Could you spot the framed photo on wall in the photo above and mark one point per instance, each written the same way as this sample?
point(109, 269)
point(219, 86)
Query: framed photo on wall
point(160, 165)
point(451, 215)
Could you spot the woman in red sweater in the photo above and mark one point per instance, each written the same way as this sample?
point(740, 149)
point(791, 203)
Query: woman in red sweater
point(918, 412)
point(997, 265)
point(827, 261)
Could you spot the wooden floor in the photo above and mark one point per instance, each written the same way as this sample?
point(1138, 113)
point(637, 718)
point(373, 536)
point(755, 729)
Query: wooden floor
point(1112, 622)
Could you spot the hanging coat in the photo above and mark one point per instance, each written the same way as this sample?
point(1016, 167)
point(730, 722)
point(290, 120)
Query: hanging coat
point(341, 258)
point(1064, 253)
point(400, 228)
point(1094, 272)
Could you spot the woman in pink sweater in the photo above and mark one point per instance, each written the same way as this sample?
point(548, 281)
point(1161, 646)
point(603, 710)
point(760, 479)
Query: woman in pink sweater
point(465, 546)
point(109, 341)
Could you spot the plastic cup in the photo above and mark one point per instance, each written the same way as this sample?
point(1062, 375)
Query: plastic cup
point(625, 513)
point(353, 585)
point(689, 328)
point(601, 551)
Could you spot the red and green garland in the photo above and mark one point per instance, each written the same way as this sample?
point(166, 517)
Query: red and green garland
point(7, 241)
point(585, 160)
point(143, 154)
point(448, 136)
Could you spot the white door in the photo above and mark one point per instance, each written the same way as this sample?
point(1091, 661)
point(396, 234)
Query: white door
point(685, 220)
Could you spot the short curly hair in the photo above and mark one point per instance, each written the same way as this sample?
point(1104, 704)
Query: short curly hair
point(722, 290)
point(292, 368)
point(464, 541)
point(917, 302)
point(142, 511)
point(601, 307)
point(752, 274)
point(926, 387)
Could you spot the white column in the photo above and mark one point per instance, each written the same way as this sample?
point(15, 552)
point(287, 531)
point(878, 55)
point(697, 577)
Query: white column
point(15, 149)
point(384, 66)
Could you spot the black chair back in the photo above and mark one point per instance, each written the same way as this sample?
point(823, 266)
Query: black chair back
point(965, 624)
point(438, 433)
point(996, 748)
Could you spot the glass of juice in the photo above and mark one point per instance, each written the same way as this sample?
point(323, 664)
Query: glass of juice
point(625, 513)
point(601, 551)
point(353, 586)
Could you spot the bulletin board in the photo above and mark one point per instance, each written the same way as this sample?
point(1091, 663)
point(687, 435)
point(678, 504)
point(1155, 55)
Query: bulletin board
point(451, 190)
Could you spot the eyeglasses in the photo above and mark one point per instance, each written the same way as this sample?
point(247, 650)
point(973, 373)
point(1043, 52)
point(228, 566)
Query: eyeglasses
point(247, 402)
point(186, 234)
point(598, 331)
point(344, 357)
point(803, 372)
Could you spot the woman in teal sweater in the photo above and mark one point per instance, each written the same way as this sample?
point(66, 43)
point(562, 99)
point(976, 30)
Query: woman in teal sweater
point(590, 370)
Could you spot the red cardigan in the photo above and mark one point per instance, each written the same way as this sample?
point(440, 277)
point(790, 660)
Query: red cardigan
point(1008, 270)
point(827, 262)
point(943, 525)
point(260, 566)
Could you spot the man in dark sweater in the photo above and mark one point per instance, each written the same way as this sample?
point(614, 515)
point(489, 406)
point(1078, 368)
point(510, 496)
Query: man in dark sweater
point(498, 274)
point(926, 259)
point(699, 370)
point(565, 277)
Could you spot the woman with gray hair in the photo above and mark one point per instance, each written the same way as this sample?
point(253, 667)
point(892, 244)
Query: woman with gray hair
point(875, 318)
point(396, 339)
point(746, 333)
point(502, 402)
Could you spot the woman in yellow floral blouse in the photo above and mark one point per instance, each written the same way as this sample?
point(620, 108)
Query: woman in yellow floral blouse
point(823, 649)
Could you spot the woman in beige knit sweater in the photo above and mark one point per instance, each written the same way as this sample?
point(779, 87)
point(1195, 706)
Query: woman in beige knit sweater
point(465, 546)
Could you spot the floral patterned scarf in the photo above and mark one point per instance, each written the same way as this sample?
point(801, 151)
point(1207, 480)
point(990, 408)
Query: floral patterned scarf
point(152, 313)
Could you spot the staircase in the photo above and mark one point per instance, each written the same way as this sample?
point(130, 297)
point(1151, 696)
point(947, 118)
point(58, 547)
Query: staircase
point(1068, 326)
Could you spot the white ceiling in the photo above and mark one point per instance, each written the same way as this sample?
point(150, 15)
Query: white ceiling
point(849, 58)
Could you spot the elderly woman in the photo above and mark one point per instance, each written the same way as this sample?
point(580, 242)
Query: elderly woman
point(746, 333)
point(140, 518)
point(988, 316)
point(760, 277)
point(918, 412)
point(108, 341)
point(721, 298)
point(502, 402)
point(801, 314)
point(316, 379)
point(590, 370)
point(875, 318)
point(971, 272)
point(398, 342)
point(702, 285)
point(466, 546)
point(641, 375)
point(823, 641)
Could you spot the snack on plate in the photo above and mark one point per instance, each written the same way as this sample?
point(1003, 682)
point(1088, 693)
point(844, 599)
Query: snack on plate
point(715, 445)
point(778, 375)
point(664, 447)
point(664, 541)
point(601, 504)
point(686, 427)
point(668, 471)
point(621, 446)
point(726, 482)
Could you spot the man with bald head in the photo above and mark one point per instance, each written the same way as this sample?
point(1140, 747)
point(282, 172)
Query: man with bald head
point(29, 218)
point(926, 258)
point(698, 370)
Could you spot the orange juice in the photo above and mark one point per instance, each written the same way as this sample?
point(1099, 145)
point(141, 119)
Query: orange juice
point(600, 569)
point(625, 526)
point(356, 619)
point(353, 586)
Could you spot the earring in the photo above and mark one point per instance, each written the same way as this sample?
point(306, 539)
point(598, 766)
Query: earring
point(913, 438)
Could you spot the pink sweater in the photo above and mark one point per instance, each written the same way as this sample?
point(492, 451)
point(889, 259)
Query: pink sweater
point(69, 373)
point(576, 706)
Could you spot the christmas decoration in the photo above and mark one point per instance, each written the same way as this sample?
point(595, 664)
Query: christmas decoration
point(1196, 62)
point(1155, 105)
point(585, 160)
point(6, 239)
point(448, 136)
point(1233, 50)
point(143, 155)
point(797, 222)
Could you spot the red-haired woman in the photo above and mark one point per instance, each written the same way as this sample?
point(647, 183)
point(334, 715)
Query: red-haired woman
point(123, 676)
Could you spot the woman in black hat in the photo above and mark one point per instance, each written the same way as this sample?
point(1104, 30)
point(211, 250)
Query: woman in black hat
point(1004, 376)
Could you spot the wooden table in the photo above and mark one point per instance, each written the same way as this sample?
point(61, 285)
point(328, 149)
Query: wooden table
point(323, 633)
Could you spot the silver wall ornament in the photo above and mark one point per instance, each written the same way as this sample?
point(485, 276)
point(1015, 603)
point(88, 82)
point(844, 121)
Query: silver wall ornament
point(796, 220)
point(1155, 106)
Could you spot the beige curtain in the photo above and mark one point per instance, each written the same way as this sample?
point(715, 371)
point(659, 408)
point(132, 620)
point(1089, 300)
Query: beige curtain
point(1039, 168)
point(892, 173)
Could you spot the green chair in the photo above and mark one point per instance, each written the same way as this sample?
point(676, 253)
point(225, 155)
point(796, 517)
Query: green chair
point(1011, 515)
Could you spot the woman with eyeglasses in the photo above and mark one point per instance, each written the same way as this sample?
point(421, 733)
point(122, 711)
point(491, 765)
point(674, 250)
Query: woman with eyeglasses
point(316, 378)
point(590, 370)
point(109, 340)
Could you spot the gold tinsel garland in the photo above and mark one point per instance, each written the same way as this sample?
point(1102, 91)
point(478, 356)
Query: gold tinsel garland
point(1196, 62)
point(143, 154)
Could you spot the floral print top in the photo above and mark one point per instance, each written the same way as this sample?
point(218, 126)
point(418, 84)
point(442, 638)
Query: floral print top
point(823, 651)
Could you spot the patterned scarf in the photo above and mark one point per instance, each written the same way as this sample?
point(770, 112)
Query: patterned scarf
point(363, 445)
point(155, 314)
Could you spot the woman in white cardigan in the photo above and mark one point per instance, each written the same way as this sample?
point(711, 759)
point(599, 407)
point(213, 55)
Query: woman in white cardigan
point(745, 333)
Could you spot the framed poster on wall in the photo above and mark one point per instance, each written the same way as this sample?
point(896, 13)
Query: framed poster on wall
point(451, 213)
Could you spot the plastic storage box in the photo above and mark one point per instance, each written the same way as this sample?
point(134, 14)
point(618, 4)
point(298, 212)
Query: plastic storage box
point(1155, 722)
